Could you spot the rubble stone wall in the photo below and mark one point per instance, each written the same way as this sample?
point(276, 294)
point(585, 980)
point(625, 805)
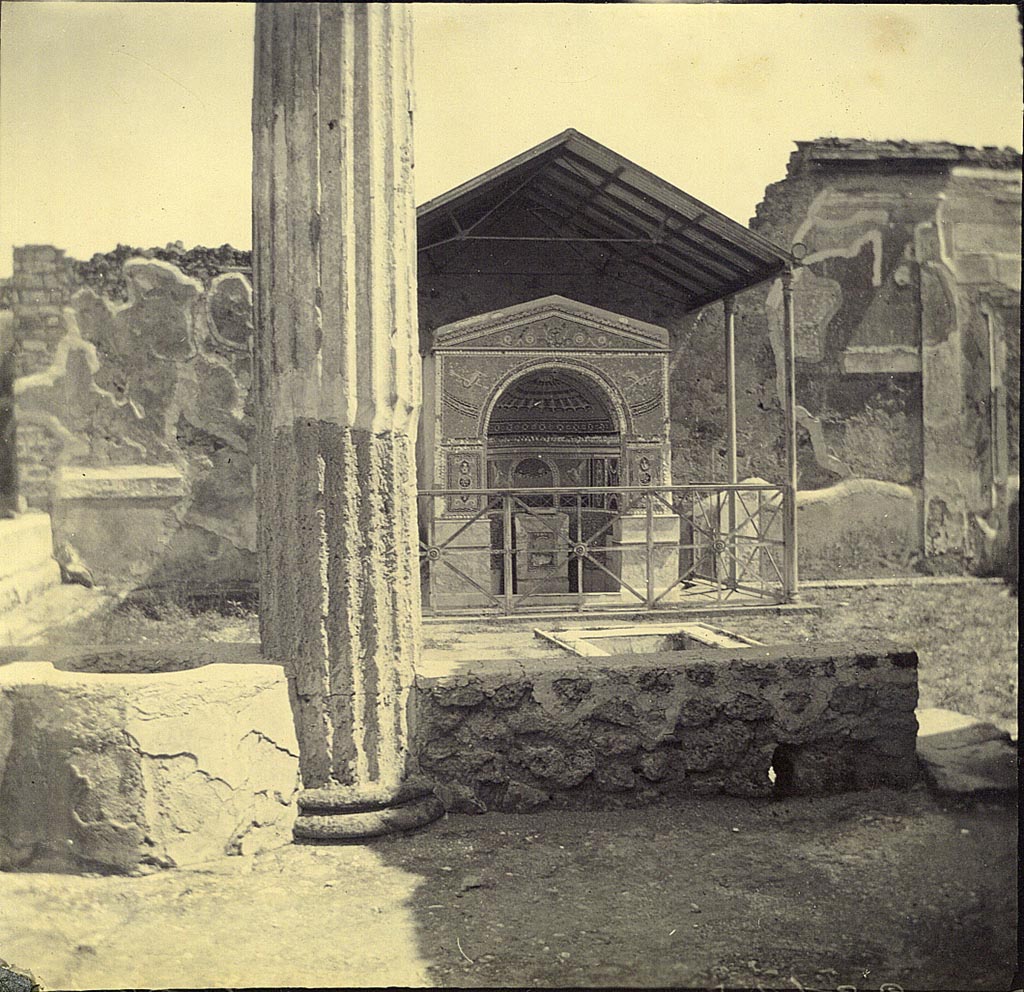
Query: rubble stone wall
point(115, 756)
point(129, 364)
point(630, 730)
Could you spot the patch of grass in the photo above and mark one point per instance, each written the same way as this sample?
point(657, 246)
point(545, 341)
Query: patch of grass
point(965, 636)
point(166, 622)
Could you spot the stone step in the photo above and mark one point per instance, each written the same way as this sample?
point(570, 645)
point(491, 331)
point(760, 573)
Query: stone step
point(963, 755)
point(25, 541)
point(27, 566)
point(28, 584)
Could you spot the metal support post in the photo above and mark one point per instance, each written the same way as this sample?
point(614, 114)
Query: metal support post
point(507, 562)
point(729, 305)
point(789, 371)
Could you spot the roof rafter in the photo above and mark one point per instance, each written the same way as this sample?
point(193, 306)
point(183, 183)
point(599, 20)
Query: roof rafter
point(673, 276)
point(604, 208)
point(629, 198)
point(678, 262)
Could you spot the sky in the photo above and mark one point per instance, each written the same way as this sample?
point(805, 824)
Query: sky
point(129, 122)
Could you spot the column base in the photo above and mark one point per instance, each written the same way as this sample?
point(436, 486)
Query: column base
point(334, 815)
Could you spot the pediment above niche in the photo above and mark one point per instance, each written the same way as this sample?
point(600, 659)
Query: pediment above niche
point(553, 323)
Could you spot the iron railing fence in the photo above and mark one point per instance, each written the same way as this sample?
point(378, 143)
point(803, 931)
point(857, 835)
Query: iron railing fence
point(604, 548)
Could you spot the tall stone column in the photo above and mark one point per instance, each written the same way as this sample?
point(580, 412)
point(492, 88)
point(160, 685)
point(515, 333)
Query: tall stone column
point(337, 398)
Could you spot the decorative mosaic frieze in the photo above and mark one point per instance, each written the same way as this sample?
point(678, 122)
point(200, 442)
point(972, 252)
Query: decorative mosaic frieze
point(552, 323)
point(463, 473)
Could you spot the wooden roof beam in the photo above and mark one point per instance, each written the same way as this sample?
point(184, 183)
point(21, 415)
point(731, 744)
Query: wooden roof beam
point(711, 270)
point(676, 279)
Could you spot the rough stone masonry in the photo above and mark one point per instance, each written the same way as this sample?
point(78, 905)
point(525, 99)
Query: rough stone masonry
point(628, 730)
point(337, 383)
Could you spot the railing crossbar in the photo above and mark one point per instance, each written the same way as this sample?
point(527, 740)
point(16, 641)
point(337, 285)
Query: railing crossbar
point(713, 557)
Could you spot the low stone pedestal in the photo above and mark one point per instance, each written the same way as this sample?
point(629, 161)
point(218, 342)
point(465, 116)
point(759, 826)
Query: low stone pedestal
point(108, 772)
point(758, 517)
point(630, 534)
point(118, 520)
point(542, 552)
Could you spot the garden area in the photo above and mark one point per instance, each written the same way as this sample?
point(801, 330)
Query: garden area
point(965, 633)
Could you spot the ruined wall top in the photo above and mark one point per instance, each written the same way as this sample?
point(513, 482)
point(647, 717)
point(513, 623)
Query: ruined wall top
point(844, 153)
point(44, 266)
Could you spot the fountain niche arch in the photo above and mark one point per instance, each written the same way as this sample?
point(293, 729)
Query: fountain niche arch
point(554, 426)
point(558, 418)
point(547, 394)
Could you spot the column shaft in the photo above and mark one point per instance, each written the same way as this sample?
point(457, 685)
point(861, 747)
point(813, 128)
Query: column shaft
point(337, 393)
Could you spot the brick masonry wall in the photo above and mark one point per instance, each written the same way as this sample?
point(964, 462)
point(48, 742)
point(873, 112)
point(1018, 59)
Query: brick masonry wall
point(630, 730)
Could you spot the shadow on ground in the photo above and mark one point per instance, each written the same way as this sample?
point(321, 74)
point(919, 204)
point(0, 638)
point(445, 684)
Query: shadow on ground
point(858, 890)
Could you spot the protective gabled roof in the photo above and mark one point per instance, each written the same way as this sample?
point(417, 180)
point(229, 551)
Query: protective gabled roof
point(602, 198)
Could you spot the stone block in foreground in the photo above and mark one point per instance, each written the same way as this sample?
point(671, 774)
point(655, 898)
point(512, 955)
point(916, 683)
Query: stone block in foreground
point(628, 730)
point(107, 772)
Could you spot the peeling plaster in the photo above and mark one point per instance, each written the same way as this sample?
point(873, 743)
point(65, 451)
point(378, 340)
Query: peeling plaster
point(813, 425)
point(72, 446)
point(852, 250)
point(815, 221)
point(171, 367)
point(72, 341)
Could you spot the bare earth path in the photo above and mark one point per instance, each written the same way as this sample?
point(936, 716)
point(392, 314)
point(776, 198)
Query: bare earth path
point(854, 890)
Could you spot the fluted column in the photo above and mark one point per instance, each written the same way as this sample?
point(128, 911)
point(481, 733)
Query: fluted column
point(337, 398)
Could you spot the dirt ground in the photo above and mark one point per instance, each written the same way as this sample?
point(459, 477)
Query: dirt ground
point(858, 890)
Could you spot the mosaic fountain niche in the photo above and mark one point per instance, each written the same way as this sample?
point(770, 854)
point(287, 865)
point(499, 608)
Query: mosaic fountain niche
point(547, 394)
